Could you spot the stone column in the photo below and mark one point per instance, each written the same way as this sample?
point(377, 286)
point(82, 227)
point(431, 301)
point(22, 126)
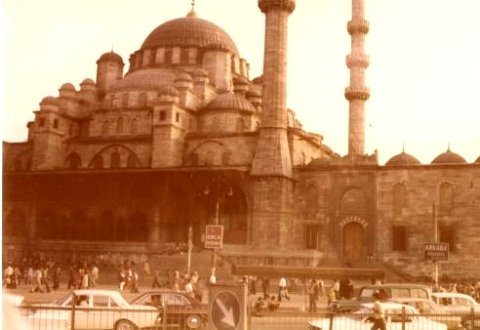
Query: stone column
point(357, 93)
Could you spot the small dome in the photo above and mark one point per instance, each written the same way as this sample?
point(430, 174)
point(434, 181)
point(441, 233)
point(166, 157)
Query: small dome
point(145, 79)
point(190, 31)
point(478, 160)
point(449, 157)
point(184, 76)
point(200, 72)
point(87, 81)
point(253, 93)
point(67, 87)
point(49, 100)
point(110, 57)
point(403, 159)
point(230, 101)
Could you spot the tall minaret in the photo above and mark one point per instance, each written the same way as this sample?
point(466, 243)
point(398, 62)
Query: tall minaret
point(272, 165)
point(357, 93)
point(272, 156)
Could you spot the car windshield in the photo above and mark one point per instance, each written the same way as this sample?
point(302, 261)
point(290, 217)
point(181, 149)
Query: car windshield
point(65, 300)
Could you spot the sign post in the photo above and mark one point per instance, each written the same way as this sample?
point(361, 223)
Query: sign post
point(213, 237)
point(436, 251)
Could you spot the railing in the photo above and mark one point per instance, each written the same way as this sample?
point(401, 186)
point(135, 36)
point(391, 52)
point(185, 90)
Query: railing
point(75, 317)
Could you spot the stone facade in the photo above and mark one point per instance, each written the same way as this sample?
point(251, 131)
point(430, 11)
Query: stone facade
point(186, 138)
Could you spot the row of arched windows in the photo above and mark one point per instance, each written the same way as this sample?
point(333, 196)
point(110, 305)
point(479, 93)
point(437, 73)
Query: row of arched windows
point(105, 160)
point(120, 127)
point(445, 194)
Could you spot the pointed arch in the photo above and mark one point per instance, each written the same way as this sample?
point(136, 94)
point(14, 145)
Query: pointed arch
point(109, 151)
point(73, 161)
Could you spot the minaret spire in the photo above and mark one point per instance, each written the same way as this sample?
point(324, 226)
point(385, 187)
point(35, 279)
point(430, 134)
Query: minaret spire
point(357, 93)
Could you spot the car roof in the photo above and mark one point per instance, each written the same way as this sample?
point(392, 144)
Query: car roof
point(390, 305)
point(98, 292)
point(451, 295)
point(395, 285)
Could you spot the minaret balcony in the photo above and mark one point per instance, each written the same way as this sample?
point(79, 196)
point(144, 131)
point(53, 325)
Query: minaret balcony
point(357, 60)
point(267, 5)
point(357, 93)
point(358, 25)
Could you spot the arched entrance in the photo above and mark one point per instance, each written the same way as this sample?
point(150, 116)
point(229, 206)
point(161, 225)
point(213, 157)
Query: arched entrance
point(353, 241)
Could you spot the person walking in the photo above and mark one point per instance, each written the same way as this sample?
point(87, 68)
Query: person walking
point(379, 322)
point(94, 276)
point(282, 289)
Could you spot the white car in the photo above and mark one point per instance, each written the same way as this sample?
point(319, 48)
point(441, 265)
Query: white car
point(94, 309)
point(456, 302)
point(393, 313)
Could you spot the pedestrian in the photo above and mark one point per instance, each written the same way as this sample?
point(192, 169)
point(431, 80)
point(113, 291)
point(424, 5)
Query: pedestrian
point(336, 288)
point(265, 285)
point(134, 280)
point(378, 317)
point(94, 273)
point(282, 289)
point(213, 278)
point(189, 289)
point(157, 280)
point(44, 279)
point(121, 279)
point(8, 276)
point(56, 277)
point(313, 291)
point(85, 279)
point(38, 281)
point(146, 267)
point(198, 289)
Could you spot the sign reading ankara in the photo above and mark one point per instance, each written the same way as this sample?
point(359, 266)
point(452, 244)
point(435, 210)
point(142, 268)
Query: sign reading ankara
point(213, 237)
point(435, 251)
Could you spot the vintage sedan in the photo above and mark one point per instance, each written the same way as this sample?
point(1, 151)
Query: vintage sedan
point(178, 308)
point(94, 309)
point(460, 304)
point(398, 316)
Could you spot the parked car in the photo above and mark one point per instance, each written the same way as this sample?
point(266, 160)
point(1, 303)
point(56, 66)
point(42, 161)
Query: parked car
point(94, 309)
point(180, 309)
point(395, 319)
point(433, 311)
point(461, 304)
point(387, 292)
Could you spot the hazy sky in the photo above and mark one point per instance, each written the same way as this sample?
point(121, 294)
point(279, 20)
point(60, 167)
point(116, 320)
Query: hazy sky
point(424, 73)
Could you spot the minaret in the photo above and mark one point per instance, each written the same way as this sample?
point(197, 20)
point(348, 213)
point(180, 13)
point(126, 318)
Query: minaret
point(272, 156)
point(272, 165)
point(357, 93)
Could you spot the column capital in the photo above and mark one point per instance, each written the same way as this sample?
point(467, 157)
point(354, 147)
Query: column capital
point(267, 5)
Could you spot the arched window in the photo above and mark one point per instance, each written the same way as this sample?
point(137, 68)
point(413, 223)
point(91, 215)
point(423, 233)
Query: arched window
point(399, 198)
point(142, 99)
point(239, 125)
point(131, 160)
point(119, 125)
point(311, 201)
point(105, 127)
point(446, 198)
point(115, 160)
point(134, 125)
point(97, 162)
point(215, 124)
point(125, 100)
point(73, 161)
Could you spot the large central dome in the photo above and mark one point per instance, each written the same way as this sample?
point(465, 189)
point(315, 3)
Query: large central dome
point(190, 31)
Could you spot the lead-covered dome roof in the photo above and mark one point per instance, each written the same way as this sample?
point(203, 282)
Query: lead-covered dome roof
point(403, 159)
point(449, 157)
point(230, 101)
point(190, 31)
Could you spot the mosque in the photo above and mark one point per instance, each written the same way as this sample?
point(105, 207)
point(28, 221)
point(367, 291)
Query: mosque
point(184, 137)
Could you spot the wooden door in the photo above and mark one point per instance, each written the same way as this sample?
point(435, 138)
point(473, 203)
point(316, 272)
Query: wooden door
point(353, 241)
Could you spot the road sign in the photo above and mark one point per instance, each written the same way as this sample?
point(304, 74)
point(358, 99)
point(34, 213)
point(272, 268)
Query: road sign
point(227, 307)
point(435, 251)
point(213, 237)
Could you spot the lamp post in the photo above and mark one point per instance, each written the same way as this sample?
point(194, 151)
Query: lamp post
point(435, 240)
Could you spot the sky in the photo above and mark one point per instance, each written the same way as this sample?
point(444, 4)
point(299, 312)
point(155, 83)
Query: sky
point(424, 74)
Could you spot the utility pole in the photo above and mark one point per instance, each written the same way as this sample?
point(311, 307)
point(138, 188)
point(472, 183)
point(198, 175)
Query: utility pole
point(435, 240)
point(190, 247)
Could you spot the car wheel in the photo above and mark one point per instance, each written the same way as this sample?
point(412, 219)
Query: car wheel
point(125, 325)
point(194, 321)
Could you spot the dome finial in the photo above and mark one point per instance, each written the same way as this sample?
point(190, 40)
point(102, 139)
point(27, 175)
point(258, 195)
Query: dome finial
point(403, 147)
point(192, 12)
point(448, 149)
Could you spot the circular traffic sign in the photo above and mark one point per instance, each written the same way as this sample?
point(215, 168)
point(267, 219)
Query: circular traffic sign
point(225, 311)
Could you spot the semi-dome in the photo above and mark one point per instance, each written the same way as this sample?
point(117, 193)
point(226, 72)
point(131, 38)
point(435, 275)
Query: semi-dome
point(67, 87)
point(151, 78)
point(403, 159)
point(230, 101)
point(190, 31)
point(449, 157)
point(110, 57)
